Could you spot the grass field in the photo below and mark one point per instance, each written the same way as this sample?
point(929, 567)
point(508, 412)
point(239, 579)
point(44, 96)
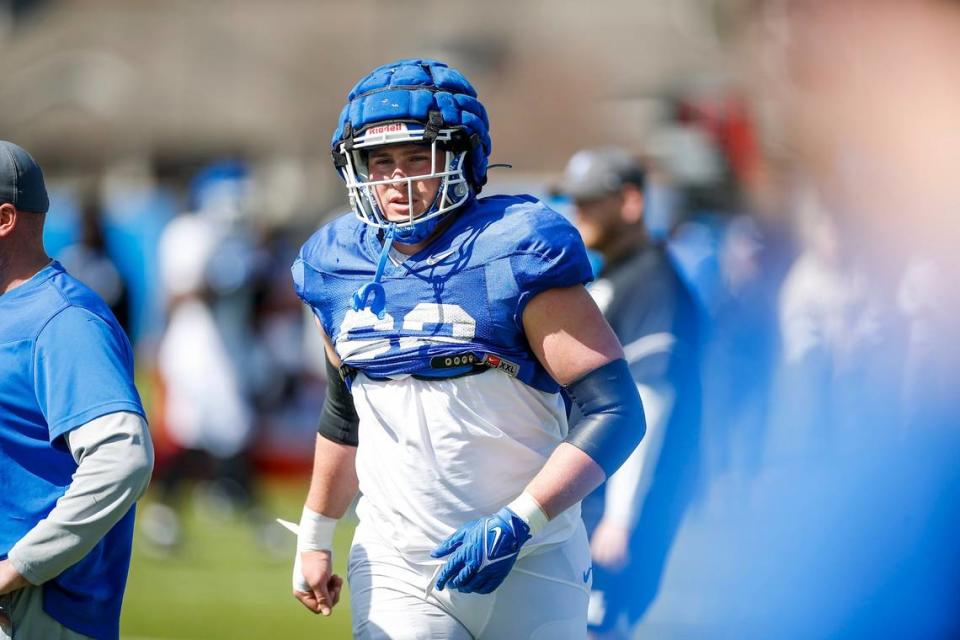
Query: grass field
point(224, 585)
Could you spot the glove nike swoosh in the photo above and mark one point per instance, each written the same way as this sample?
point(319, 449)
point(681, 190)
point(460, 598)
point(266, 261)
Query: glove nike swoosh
point(482, 552)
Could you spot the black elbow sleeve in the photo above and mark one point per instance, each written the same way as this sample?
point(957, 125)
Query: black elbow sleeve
point(338, 419)
point(613, 422)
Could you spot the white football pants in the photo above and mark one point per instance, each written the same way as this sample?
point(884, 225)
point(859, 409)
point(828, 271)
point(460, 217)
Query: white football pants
point(543, 598)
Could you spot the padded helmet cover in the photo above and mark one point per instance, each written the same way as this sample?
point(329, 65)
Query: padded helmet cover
point(407, 91)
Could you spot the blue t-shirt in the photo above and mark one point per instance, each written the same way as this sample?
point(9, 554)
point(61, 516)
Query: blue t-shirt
point(64, 361)
point(462, 295)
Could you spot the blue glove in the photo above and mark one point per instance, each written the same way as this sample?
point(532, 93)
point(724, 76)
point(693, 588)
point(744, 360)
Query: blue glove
point(484, 551)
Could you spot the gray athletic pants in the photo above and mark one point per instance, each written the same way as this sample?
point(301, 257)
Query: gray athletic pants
point(24, 608)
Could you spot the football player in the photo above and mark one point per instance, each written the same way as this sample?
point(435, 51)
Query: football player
point(453, 325)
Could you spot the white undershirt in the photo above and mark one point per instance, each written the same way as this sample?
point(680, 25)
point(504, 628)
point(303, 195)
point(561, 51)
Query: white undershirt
point(396, 257)
point(434, 454)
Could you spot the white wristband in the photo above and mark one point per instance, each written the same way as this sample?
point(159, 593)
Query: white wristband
point(316, 531)
point(530, 512)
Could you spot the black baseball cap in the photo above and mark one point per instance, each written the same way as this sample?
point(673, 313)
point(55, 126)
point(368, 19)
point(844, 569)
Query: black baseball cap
point(594, 173)
point(21, 180)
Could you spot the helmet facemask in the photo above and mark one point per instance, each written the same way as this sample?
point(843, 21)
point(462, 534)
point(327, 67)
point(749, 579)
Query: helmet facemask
point(446, 144)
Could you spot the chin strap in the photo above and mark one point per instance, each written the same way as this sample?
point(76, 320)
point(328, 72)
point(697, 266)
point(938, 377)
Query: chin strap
point(362, 297)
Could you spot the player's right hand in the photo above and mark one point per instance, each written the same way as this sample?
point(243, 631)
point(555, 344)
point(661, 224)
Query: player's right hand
point(314, 583)
point(481, 552)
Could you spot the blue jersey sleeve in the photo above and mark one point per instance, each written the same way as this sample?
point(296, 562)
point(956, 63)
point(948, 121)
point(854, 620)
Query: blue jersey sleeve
point(83, 369)
point(308, 283)
point(552, 255)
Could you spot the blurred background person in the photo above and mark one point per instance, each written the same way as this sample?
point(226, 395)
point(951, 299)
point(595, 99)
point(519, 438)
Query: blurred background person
point(208, 416)
point(733, 250)
point(90, 262)
point(842, 341)
point(633, 517)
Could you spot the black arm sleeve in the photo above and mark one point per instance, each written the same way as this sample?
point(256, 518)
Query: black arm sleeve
point(338, 419)
point(613, 422)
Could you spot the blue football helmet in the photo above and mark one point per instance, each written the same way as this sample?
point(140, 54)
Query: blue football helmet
point(413, 101)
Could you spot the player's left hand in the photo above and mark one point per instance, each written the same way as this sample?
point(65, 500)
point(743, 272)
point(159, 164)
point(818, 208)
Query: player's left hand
point(484, 550)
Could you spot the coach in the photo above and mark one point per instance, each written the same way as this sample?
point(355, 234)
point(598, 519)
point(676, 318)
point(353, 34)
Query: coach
point(75, 451)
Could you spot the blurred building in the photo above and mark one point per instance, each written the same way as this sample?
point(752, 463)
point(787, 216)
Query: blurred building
point(89, 82)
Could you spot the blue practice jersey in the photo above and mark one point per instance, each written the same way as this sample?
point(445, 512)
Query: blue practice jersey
point(64, 361)
point(456, 303)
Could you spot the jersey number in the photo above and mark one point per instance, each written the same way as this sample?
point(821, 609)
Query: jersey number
point(425, 324)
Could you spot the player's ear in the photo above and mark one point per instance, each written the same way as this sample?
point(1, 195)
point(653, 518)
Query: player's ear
point(8, 219)
point(632, 204)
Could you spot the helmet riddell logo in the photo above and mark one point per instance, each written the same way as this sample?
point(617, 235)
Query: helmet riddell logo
point(390, 127)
